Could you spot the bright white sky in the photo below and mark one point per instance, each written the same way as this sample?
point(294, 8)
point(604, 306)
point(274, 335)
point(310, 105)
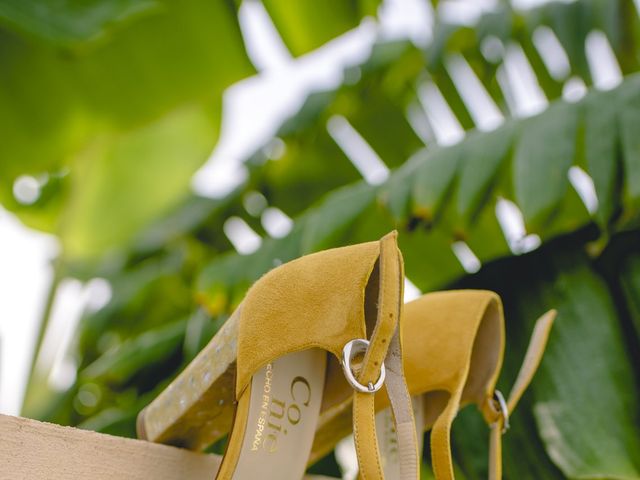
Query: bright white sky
point(253, 109)
point(25, 275)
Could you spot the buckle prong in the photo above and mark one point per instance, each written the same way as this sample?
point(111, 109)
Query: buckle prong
point(501, 406)
point(350, 350)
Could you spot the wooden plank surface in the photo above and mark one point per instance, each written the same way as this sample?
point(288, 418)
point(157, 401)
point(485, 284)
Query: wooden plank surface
point(32, 450)
point(41, 451)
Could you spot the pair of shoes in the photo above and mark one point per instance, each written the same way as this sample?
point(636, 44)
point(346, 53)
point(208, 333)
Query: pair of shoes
point(316, 348)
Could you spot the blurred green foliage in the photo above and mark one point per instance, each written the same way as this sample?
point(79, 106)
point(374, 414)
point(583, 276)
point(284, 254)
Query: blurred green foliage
point(115, 105)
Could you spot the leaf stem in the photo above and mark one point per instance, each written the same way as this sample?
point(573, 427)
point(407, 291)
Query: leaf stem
point(43, 325)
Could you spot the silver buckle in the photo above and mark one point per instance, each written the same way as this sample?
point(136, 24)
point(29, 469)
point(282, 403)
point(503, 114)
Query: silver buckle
point(502, 409)
point(350, 350)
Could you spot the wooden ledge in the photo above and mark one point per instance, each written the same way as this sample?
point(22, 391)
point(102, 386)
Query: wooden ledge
point(43, 451)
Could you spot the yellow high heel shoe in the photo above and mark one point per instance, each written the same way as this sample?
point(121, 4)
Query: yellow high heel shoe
point(454, 358)
point(453, 345)
point(265, 377)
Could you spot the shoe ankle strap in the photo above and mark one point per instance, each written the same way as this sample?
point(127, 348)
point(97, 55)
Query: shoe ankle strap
point(384, 351)
point(496, 410)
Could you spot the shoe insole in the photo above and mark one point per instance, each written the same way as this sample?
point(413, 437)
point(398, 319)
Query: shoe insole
point(284, 407)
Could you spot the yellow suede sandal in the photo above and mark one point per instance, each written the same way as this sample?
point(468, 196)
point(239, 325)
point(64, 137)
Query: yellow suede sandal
point(453, 350)
point(454, 357)
point(265, 377)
